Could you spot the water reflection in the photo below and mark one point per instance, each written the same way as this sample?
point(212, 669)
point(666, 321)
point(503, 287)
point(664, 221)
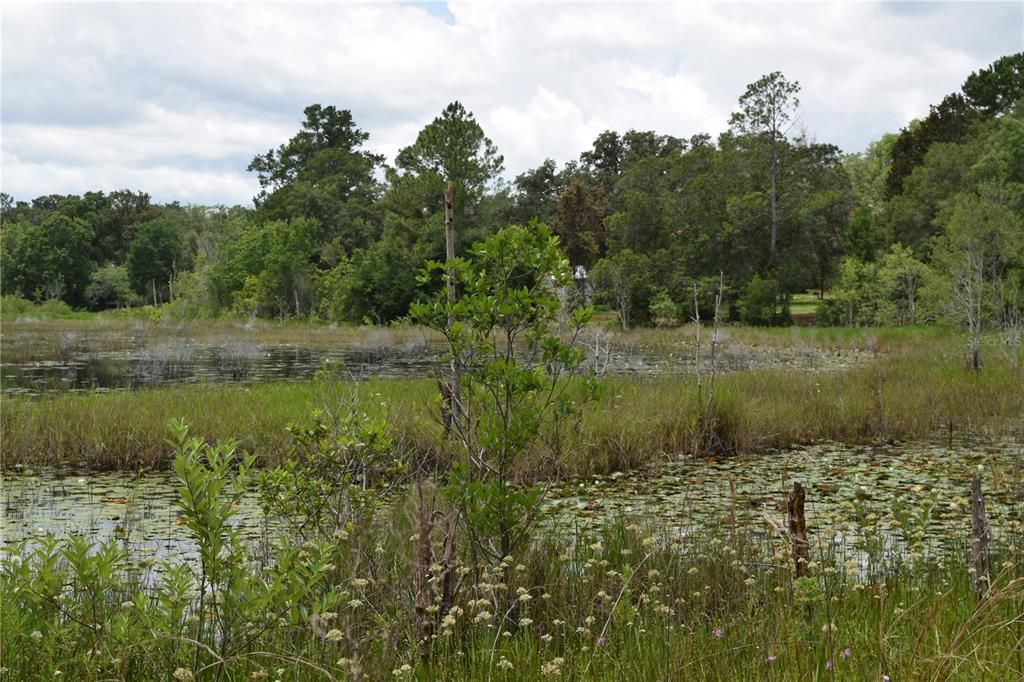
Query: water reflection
point(178, 361)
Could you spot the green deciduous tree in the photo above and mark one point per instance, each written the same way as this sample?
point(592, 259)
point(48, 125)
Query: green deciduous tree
point(981, 244)
point(109, 288)
point(950, 121)
point(49, 260)
point(155, 257)
point(624, 282)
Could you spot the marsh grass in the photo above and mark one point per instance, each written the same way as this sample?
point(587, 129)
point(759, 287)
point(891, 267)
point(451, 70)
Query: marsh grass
point(634, 422)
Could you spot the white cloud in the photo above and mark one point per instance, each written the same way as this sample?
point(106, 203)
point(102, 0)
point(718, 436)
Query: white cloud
point(175, 99)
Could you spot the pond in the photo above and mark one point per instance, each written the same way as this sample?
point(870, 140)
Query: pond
point(80, 362)
point(854, 495)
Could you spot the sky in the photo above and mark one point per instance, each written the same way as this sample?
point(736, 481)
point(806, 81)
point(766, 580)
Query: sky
point(176, 99)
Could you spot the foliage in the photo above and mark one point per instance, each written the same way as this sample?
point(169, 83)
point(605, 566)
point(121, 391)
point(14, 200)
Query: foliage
point(997, 88)
point(763, 303)
point(511, 371)
point(579, 222)
point(623, 281)
point(950, 121)
point(154, 258)
point(339, 467)
point(322, 174)
point(663, 308)
point(49, 260)
point(109, 288)
point(330, 239)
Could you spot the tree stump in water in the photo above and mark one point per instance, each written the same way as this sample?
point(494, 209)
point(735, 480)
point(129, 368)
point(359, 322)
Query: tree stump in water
point(980, 537)
point(798, 531)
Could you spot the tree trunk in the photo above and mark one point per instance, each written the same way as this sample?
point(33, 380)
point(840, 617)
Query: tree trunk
point(773, 198)
point(798, 531)
point(449, 245)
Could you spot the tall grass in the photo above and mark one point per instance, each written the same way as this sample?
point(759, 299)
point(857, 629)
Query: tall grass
point(635, 421)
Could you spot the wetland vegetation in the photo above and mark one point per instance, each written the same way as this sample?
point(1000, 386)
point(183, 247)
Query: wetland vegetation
point(650, 533)
point(488, 479)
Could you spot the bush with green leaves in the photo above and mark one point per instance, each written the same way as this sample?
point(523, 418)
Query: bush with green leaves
point(341, 465)
point(511, 369)
point(763, 303)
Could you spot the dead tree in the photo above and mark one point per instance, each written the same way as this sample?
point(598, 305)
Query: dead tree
point(981, 536)
point(798, 531)
point(435, 579)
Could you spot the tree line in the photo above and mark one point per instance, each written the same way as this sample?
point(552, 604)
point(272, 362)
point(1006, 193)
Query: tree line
point(926, 223)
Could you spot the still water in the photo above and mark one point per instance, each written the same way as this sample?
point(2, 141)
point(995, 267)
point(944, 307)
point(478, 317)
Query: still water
point(855, 495)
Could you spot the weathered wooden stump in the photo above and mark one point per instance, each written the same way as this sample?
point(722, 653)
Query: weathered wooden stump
point(981, 536)
point(798, 531)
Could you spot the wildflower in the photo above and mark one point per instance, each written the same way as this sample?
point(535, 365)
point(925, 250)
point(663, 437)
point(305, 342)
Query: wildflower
point(525, 622)
point(360, 582)
point(552, 668)
point(128, 605)
point(335, 635)
point(483, 616)
point(846, 653)
point(771, 658)
point(36, 635)
point(521, 567)
point(259, 675)
point(355, 603)
point(829, 664)
point(717, 633)
point(885, 678)
point(505, 664)
point(183, 674)
point(546, 638)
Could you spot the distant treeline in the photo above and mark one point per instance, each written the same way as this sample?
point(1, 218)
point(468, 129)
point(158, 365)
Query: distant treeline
point(926, 223)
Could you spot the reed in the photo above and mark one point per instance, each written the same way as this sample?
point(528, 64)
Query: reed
point(635, 421)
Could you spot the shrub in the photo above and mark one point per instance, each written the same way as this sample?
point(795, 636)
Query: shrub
point(764, 304)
